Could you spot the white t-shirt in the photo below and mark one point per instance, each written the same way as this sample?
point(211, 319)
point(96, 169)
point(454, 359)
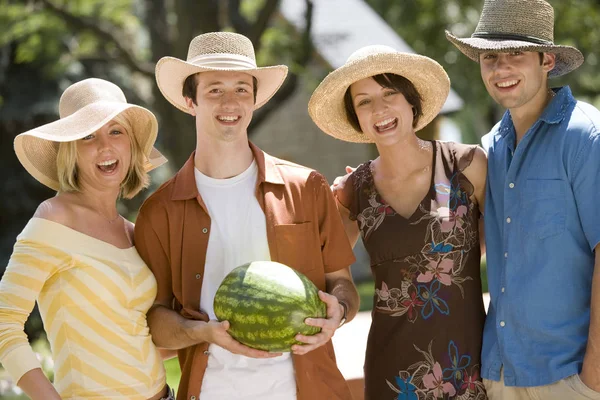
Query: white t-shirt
point(238, 235)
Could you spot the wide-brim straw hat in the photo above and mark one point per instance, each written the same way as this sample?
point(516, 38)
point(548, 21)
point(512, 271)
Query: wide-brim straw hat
point(326, 105)
point(85, 107)
point(217, 51)
point(525, 25)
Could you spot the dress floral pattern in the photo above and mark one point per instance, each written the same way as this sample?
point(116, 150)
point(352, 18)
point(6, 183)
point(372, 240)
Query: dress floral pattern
point(428, 315)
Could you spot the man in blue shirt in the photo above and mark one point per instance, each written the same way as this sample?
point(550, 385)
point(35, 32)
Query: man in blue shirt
point(542, 223)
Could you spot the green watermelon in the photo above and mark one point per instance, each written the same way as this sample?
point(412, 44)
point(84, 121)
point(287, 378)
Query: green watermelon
point(266, 304)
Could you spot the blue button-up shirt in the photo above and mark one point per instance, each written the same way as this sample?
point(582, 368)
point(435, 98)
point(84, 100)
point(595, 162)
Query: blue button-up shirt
point(542, 223)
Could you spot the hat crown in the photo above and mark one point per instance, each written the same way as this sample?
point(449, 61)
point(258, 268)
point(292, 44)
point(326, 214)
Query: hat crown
point(224, 43)
point(86, 92)
point(529, 18)
point(369, 51)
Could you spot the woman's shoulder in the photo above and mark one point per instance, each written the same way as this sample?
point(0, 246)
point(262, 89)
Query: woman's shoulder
point(344, 186)
point(56, 209)
point(464, 156)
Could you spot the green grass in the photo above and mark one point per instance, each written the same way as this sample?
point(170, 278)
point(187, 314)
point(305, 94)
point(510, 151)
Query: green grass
point(484, 281)
point(173, 372)
point(365, 292)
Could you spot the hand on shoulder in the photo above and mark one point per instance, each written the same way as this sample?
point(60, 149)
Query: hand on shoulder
point(339, 183)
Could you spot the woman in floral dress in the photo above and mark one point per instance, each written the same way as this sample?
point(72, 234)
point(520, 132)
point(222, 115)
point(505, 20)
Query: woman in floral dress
point(417, 207)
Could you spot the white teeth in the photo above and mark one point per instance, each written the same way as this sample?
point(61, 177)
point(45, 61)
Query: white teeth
point(507, 83)
point(384, 122)
point(228, 118)
point(108, 162)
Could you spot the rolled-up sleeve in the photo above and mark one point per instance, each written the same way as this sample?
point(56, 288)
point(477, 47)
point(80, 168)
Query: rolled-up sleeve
point(151, 248)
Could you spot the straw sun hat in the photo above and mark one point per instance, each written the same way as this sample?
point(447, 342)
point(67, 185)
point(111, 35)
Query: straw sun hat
point(526, 25)
point(326, 106)
point(84, 108)
point(217, 51)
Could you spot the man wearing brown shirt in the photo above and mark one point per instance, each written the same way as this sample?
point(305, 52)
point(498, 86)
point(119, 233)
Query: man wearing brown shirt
point(231, 203)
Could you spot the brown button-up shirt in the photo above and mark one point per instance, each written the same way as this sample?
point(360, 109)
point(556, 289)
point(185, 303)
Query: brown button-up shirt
point(304, 231)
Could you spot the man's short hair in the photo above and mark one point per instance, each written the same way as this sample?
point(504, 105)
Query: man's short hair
point(190, 87)
point(391, 81)
point(135, 180)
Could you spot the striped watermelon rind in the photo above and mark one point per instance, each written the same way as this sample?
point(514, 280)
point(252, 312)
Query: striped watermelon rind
point(266, 304)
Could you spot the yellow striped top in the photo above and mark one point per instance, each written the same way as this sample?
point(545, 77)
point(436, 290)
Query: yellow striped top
point(93, 298)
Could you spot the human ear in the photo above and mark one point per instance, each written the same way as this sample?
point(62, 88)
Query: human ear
point(549, 61)
point(190, 105)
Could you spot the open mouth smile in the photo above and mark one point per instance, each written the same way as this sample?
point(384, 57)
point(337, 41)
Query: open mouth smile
point(108, 166)
point(228, 119)
point(507, 84)
point(386, 125)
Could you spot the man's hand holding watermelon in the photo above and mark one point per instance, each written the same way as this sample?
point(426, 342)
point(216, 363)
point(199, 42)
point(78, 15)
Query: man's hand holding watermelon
point(335, 317)
point(216, 332)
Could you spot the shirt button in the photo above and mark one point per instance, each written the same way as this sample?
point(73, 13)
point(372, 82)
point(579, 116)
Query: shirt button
point(204, 230)
point(502, 292)
point(505, 255)
point(502, 323)
point(511, 185)
point(198, 276)
point(508, 220)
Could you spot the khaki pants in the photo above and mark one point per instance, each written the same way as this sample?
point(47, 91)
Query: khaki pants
point(571, 388)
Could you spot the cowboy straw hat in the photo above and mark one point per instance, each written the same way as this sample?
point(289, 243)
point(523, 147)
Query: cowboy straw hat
point(326, 105)
point(526, 25)
point(84, 107)
point(217, 51)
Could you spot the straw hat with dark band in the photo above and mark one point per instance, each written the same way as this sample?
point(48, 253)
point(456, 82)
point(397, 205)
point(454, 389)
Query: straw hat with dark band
point(525, 25)
point(326, 106)
point(217, 51)
point(84, 108)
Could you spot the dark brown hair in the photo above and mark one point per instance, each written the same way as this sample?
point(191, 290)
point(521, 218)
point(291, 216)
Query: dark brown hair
point(190, 87)
point(391, 81)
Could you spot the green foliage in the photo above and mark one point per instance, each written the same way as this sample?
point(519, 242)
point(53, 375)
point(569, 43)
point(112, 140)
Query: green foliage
point(251, 8)
point(279, 44)
point(366, 289)
point(45, 39)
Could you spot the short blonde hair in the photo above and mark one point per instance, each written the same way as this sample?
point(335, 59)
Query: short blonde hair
point(135, 180)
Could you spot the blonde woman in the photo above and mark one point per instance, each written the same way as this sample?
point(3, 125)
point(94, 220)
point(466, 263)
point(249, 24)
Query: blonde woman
point(76, 256)
point(417, 207)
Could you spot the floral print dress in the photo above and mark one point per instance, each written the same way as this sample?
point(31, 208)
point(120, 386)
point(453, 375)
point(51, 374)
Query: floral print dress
point(428, 314)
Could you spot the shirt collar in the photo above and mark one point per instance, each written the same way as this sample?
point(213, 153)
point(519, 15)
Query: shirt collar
point(554, 112)
point(185, 182)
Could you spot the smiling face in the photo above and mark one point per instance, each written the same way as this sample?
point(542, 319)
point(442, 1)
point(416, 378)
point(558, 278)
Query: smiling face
point(516, 80)
point(104, 157)
point(384, 114)
point(224, 105)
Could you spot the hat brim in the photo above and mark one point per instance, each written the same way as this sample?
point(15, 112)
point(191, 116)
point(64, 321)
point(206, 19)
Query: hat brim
point(326, 105)
point(172, 72)
point(37, 148)
point(567, 58)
